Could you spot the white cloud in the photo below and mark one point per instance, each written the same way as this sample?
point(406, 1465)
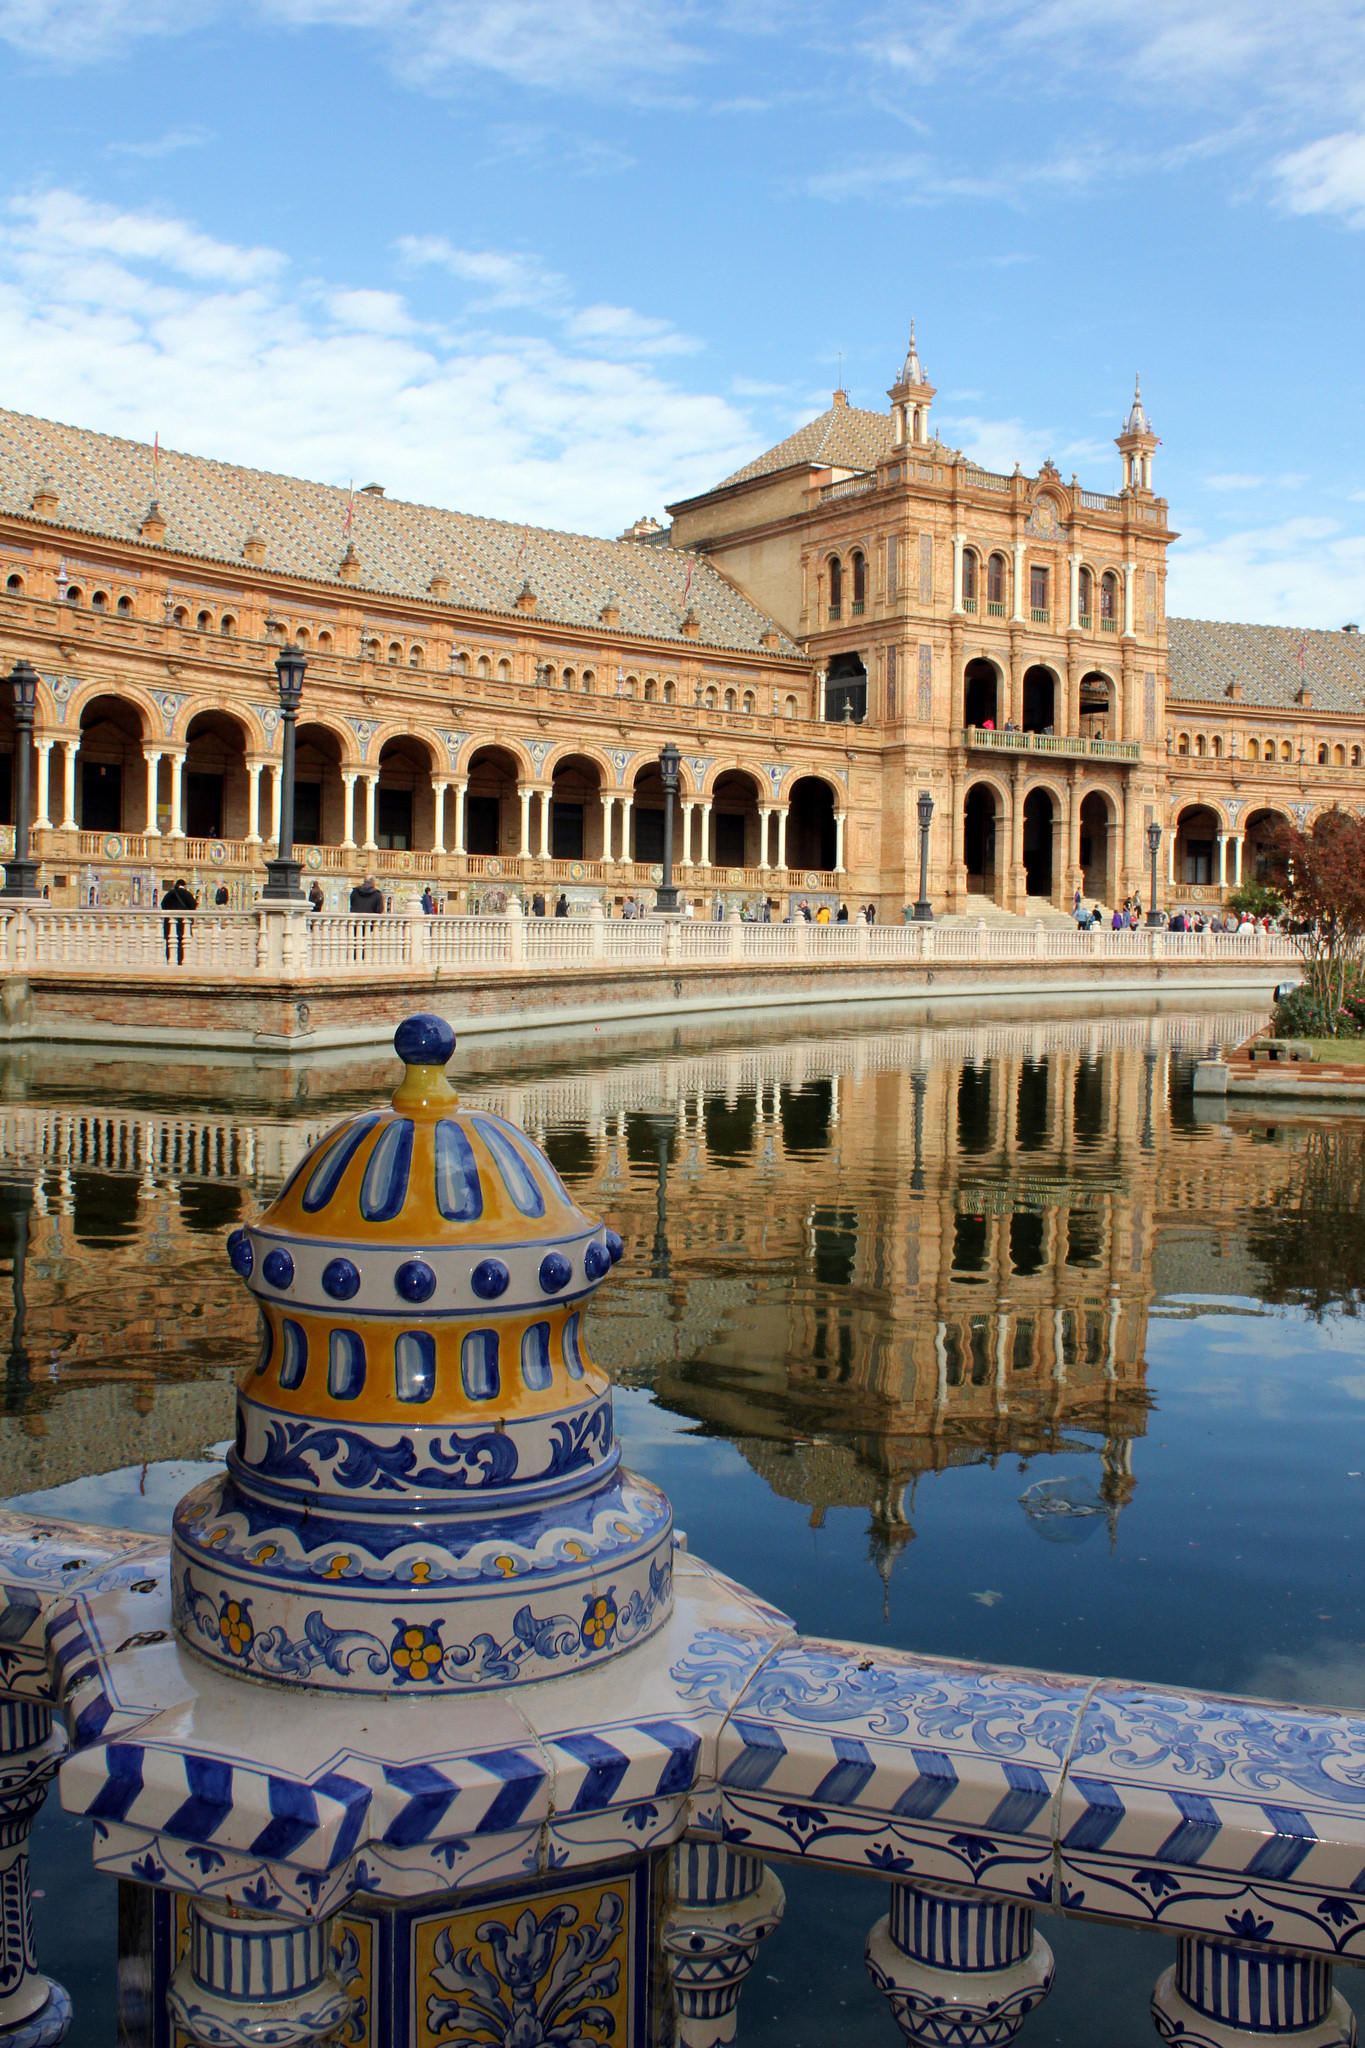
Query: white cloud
point(504, 278)
point(169, 144)
point(1326, 177)
point(1233, 482)
point(1299, 572)
point(136, 323)
point(999, 444)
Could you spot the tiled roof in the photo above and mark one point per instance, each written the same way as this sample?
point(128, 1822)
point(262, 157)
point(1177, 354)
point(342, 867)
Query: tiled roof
point(845, 437)
point(104, 486)
point(1272, 664)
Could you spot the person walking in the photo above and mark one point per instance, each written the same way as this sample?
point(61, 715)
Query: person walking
point(428, 902)
point(220, 897)
point(687, 909)
point(822, 914)
point(841, 916)
point(366, 899)
point(177, 897)
point(537, 905)
point(872, 913)
point(562, 906)
point(316, 900)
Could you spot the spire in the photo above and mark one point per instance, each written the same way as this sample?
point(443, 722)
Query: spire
point(911, 396)
point(1136, 444)
point(911, 370)
point(1136, 422)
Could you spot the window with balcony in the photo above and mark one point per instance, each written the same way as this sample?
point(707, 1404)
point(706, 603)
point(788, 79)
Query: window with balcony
point(204, 622)
point(968, 580)
point(1322, 757)
point(416, 657)
point(859, 585)
point(995, 586)
point(100, 601)
point(73, 594)
point(836, 587)
point(1109, 602)
point(125, 607)
point(1085, 595)
point(1038, 595)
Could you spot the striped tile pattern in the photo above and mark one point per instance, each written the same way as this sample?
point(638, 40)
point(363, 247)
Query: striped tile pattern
point(1253, 1991)
point(242, 1961)
point(708, 1874)
point(958, 1933)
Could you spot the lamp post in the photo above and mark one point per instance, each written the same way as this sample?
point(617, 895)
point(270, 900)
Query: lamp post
point(1154, 842)
point(670, 760)
point(21, 873)
point(282, 884)
point(924, 909)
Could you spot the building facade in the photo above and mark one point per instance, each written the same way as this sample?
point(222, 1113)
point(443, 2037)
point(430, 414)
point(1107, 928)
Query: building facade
point(855, 619)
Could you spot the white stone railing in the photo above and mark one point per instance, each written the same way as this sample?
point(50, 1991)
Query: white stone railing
point(230, 945)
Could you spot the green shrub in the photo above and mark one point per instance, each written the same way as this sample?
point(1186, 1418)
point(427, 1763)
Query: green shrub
point(1258, 898)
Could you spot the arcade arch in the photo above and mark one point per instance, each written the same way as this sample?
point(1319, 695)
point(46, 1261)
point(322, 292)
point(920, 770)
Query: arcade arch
point(215, 787)
point(1197, 831)
point(981, 693)
point(812, 835)
point(1040, 699)
point(112, 774)
point(1040, 831)
point(491, 823)
point(577, 822)
point(983, 840)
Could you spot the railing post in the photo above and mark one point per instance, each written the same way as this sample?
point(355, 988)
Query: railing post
point(252, 1977)
point(418, 948)
point(672, 940)
point(597, 925)
point(516, 933)
point(956, 1966)
point(861, 944)
point(926, 941)
point(722, 1906)
point(34, 2012)
point(23, 940)
point(1230, 1997)
point(736, 936)
point(802, 930)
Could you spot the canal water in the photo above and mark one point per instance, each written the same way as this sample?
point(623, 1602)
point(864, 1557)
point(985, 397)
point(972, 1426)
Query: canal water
point(972, 1337)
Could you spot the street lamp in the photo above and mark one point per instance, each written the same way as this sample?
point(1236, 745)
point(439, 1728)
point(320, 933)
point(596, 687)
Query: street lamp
point(21, 873)
point(670, 760)
point(924, 909)
point(283, 872)
point(1154, 842)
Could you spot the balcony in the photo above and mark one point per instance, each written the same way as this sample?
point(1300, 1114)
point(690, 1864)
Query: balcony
point(1071, 748)
point(1039, 614)
point(995, 607)
point(1109, 625)
point(836, 612)
point(969, 604)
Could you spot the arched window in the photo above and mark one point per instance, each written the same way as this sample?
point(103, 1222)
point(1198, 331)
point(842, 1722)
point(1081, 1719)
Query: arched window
point(1087, 584)
point(1251, 750)
point(969, 580)
point(372, 650)
point(125, 607)
point(459, 661)
point(180, 617)
point(1286, 751)
point(504, 671)
point(484, 669)
point(836, 587)
point(859, 584)
point(729, 700)
point(1338, 757)
point(416, 658)
point(100, 601)
point(670, 692)
point(300, 636)
point(589, 682)
point(1355, 757)
point(568, 678)
point(1322, 754)
point(748, 700)
point(651, 690)
point(1109, 600)
point(1182, 745)
point(228, 625)
point(204, 622)
point(789, 708)
point(395, 653)
point(632, 683)
point(15, 586)
point(324, 643)
point(1038, 593)
point(995, 586)
point(1199, 745)
point(711, 699)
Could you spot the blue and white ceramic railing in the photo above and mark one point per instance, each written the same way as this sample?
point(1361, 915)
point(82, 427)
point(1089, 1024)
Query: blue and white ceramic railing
point(983, 1797)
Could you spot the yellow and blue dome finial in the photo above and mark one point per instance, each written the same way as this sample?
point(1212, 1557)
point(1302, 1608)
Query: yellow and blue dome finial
point(423, 1423)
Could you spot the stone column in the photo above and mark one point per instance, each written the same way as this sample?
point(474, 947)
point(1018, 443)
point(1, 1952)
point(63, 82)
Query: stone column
point(461, 790)
point(252, 1977)
point(706, 832)
point(764, 815)
point(177, 771)
point(627, 804)
point(1128, 570)
point(152, 756)
point(371, 805)
point(958, 870)
point(1075, 611)
point(1073, 870)
point(253, 802)
point(1222, 858)
point(957, 572)
point(944, 1956)
point(70, 749)
point(1170, 858)
point(34, 2012)
point(1237, 859)
point(685, 857)
point(41, 821)
point(525, 796)
point(782, 817)
point(347, 806)
point(1018, 887)
point(276, 802)
point(722, 1906)
point(438, 829)
point(1228, 1997)
point(608, 818)
point(545, 824)
point(840, 818)
point(1018, 611)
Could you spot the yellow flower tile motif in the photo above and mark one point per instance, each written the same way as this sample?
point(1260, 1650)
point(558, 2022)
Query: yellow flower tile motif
point(528, 1973)
point(599, 1620)
point(234, 1626)
point(416, 1653)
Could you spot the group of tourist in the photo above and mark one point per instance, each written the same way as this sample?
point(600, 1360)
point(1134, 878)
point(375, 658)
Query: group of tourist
point(1129, 916)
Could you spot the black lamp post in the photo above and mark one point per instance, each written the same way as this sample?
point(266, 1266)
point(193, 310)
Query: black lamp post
point(21, 873)
point(1154, 842)
point(924, 909)
point(669, 762)
point(282, 884)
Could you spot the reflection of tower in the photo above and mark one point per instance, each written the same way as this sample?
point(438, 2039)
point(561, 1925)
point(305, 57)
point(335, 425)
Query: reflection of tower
point(889, 1532)
point(1149, 1086)
point(16, 1204)
point(660, 1122)
point(917, 1082)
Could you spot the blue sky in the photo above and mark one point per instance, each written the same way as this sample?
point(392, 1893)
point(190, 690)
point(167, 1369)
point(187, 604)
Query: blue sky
point(564, 262)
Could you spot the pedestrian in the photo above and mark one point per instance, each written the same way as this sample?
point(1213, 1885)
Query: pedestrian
point(1076, 903)
point(687, 910)
point(872, 913)
point(822, 914)
point(177, 897)
point(1117, 921)
point(562, 906)
point(718, 910)
point(628, 907)
point(220, 896)
point(805, 910)
point(366, 900)
point(841, 916)
point(537, 905)
point(428, 901)
point(316, 899)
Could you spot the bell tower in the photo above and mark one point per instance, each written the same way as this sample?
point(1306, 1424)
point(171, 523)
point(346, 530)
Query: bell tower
point(911, 396)
point(1136, 444)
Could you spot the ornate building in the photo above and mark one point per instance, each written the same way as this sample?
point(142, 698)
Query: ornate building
point(855, 618)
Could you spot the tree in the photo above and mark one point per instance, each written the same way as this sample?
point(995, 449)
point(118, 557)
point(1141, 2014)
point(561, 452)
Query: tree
point(1321, 876)
point(1258, 899)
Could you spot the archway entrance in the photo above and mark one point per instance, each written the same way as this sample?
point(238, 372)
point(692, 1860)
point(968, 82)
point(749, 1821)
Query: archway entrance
point(1260, 829)
point(846, 689)
point(1040, 699)
point(734, 820)
point(318, 789)
point(405, 804)
point(1097, 882)
point(1196, 848)
point(980, 693)
point(811, 835)
point(1097, 706)
point(576, 810)
point(215, 786)
point(112, 785)
point(1038, 823)
point(979, 840)
point(490, 809)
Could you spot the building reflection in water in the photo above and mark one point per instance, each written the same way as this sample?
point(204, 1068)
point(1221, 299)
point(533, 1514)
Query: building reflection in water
point(860, 1258)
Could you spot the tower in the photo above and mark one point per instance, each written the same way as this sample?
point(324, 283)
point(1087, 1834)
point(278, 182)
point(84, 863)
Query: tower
point(1136, 444)
point(911, 396)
